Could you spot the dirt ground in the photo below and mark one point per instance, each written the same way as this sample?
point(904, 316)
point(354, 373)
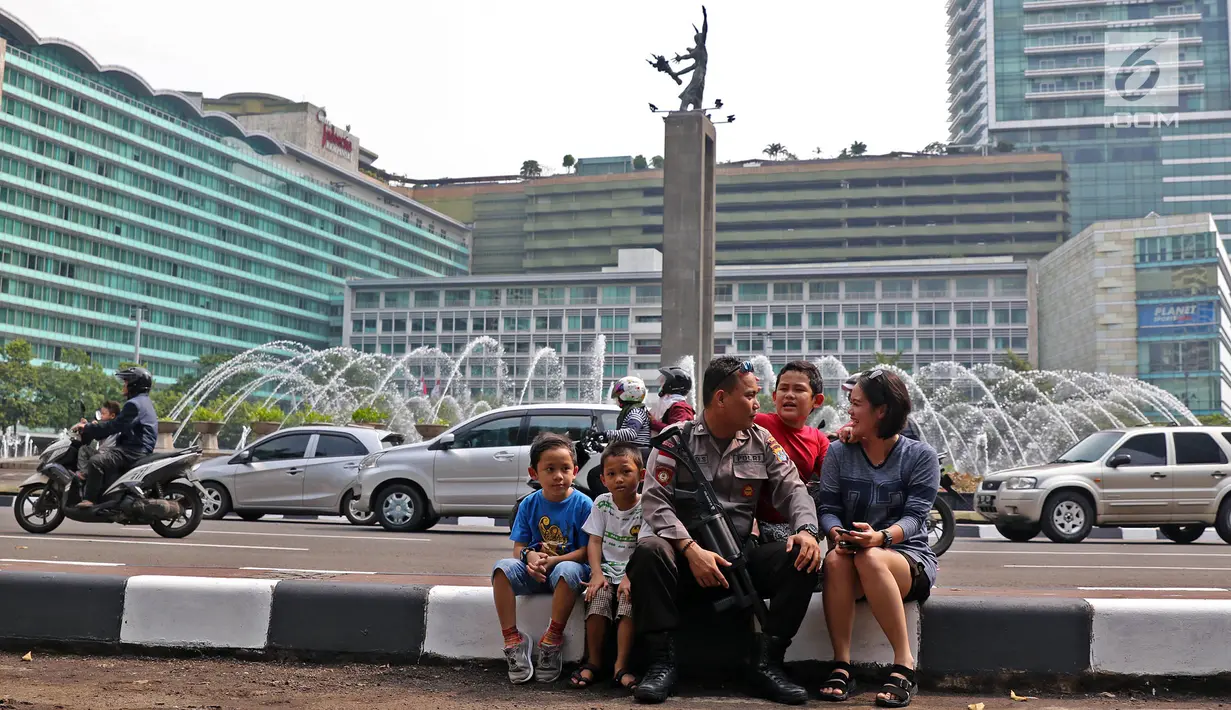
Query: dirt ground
point(58, 682)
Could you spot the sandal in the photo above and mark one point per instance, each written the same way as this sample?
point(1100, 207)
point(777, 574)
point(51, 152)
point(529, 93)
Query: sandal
point(578, 681)
point(839, 681)
point(619, 679)
point(902, 689)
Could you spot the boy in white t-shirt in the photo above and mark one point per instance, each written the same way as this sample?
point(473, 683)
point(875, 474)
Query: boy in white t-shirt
point(613, 526)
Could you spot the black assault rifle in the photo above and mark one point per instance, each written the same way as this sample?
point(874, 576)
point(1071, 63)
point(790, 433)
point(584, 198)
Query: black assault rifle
point(717, 532)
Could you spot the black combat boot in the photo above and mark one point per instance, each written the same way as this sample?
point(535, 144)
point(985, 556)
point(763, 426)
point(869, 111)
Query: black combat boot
point(768, 678)
point(659, 680)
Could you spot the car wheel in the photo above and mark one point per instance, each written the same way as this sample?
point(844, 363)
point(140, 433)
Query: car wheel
point(1223, 523)
point(250, 516)
point(1018, 533)
point(216, 502)
point(401, 508)
point(354, 516)
point(1067, 517)
point(1182, 534)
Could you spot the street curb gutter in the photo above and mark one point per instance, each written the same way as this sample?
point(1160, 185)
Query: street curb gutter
point(1098, 641)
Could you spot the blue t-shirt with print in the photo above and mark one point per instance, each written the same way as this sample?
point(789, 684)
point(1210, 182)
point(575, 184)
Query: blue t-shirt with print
point(558, 526)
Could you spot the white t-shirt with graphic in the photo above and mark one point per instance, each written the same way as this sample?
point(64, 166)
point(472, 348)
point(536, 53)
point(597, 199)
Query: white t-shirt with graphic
point(618, 530)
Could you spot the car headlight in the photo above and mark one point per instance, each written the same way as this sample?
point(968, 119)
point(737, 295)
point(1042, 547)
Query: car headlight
point(1021, 483)
point(370, 460)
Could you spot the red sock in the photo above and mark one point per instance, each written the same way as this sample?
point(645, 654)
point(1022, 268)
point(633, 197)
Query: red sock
point(555, 634)
point(512, 636)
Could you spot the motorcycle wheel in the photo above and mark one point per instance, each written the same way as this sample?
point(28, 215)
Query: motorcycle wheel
point(941, 526)
point(25, 509)
point(184, 525)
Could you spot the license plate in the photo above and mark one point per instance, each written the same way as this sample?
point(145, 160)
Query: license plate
point(988, 501)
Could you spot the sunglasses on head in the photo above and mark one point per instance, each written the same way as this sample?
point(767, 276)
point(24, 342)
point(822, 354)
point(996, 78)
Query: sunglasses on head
point(745, 366)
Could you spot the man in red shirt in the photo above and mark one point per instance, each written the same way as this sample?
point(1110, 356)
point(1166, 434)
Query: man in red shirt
point(797, 391)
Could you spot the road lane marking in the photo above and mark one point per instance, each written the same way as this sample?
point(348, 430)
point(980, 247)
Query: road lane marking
point(152, 542)
point(1121, 553)
point(1177, 569)
point(309, 571)
point(321, 537)
point(1152, 589)
point(65, 562)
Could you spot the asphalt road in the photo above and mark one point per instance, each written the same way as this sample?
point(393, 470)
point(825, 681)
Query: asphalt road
point(464, 555)
point(111, 683)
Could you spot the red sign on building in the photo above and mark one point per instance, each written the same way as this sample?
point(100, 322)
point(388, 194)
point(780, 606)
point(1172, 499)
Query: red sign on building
point(330, 136)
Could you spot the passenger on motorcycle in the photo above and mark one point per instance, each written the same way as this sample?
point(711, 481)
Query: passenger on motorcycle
point(135, 431)
point(672, 406)
point(633, 423)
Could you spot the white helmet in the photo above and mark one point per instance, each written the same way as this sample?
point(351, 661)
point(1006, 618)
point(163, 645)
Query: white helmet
point(629, 390)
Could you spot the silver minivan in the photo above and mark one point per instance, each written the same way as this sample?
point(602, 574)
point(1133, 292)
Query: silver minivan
point(299, 470)
point(1175, 478)
point(479, 467)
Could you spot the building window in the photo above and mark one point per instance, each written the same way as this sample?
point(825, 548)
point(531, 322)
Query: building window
point(427, 299)
point(551, 296)
point(515, 324)
point(457, 297)
point(750, 320)
point(750, 345)
point(659, 319)
point(519, 297)
point(614, 323)
point(397, 299)
point(788, 346)
point(576, 323)
point(649, 294)
point(367, 299)
point(789, 292)
point(972, 288)
point(855, 319)
point(1010, 286)
point(548, 322)
point(972, 317)
point(788, 320)
point(722, 293)
point(823, 320)
point(719, 318)
point(487, 297)
point(823, 291)
point(616, 295)
point(753, 292)
point(583, 295)
point(933, 288)
point(861, 290)
point(897, 289)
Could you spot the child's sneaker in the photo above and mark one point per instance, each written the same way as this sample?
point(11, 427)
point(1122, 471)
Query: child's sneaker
point(551, 661)
point(521, 668)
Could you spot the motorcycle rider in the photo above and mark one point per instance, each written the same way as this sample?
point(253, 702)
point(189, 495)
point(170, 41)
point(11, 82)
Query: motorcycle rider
point(672, 405)
point(633, 422)
point(135, 431)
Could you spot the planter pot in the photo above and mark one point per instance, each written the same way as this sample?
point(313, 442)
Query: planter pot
point(209, 434)
point(430, 431)
point(166, 435)
point(265, 428)
point(369, 425)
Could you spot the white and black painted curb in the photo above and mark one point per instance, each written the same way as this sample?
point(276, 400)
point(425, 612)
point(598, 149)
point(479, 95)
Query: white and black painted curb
point(954, 635)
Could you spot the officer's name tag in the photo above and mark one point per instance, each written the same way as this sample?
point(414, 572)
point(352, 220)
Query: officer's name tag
point(749, 458)
point(702, 458)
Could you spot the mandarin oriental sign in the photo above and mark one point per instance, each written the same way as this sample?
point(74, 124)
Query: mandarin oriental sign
point(331, 138)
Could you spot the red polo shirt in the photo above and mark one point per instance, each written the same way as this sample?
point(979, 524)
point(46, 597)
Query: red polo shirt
point(806, 447)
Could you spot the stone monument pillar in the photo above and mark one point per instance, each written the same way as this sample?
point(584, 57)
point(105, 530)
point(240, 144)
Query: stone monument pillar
point(688, 240)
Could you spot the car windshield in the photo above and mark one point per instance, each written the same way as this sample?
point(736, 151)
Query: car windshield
point(1090, 448)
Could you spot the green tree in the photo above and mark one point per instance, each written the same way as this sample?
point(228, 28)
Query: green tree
point(1006, 147)
point(657, 162)
point(774, 150)
point(879, 358)
point(569, 162)
point(63, 388)
point(17, 384)
point(1016, 362)
point(936, 148)
point(531, 168)
point(640, 163)
point(858, 149)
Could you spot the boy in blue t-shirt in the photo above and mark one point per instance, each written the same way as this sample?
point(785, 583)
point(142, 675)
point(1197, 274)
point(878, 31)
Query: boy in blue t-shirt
point(549, 553)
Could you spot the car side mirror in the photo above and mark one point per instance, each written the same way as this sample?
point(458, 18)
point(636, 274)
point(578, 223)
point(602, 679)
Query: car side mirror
point(443, 443)
point(241, 457)
point(1119, 460)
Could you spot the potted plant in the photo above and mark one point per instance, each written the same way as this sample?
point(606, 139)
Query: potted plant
point(431, 428)
point(166, 434)
point(369, 417)
point(208, 422)
point(265, 420)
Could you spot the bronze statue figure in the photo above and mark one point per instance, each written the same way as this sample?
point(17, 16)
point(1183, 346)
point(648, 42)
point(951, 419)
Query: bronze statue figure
point(692, 94)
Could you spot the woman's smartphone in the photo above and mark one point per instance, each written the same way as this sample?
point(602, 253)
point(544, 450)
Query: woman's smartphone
point(846, 545)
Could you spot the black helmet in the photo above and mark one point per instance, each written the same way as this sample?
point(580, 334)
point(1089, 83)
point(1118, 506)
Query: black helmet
point(675, 381)
point(138, 379)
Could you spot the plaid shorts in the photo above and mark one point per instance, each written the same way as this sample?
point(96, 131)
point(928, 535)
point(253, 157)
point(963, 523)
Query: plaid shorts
point(601, 604)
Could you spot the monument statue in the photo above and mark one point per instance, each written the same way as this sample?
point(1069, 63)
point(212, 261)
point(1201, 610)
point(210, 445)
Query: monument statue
point(692, 94)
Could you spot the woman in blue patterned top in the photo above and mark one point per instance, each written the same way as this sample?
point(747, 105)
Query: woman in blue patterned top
point(875, 496)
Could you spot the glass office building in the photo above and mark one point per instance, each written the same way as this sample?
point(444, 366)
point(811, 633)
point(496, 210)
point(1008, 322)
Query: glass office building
point(1034, 76)
point(115, 197)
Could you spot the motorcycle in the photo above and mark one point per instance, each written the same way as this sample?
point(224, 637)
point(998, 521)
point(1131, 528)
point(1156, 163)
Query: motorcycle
point(159, 490)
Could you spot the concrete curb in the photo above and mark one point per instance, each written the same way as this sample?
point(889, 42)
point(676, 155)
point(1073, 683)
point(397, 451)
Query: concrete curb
point(1114, 640)
point(989, 532)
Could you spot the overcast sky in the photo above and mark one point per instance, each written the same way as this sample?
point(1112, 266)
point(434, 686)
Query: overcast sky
point(474, 87)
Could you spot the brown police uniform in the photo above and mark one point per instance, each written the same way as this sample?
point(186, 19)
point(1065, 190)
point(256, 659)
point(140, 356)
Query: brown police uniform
point(752, 460)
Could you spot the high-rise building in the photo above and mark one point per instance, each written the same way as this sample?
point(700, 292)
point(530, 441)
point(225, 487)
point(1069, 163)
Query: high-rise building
point(1142, 298)
point(1136, 96)
point(775, 212)
point(125, 208)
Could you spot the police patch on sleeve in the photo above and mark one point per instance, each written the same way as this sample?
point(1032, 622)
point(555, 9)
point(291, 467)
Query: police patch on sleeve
point(663, 475)
point(776, 449)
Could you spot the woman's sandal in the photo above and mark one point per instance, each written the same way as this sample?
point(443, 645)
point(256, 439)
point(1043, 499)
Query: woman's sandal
point(902, 689)
point(839, 681)
point(619, 679)
point(577, 681)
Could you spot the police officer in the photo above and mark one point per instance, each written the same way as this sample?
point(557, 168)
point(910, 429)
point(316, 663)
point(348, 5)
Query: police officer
point(669, 564)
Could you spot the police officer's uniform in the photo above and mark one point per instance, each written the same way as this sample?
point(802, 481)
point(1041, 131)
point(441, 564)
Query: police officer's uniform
point(753, 460)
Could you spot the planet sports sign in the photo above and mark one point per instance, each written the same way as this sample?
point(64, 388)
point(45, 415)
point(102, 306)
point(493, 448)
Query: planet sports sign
point(1177, 314)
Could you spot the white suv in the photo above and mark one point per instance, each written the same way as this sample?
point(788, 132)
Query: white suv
point(478, 467)
point(1175, 478)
